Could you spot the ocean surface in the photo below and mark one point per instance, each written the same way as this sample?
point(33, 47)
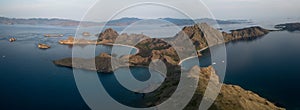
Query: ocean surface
point(268, 66)
point(29, 80)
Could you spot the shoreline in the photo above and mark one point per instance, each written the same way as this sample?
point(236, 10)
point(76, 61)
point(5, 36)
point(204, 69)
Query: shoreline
point(111, 44)
point(91, 42)
point(191, 57)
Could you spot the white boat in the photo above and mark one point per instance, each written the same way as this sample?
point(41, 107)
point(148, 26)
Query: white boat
point(12, 39)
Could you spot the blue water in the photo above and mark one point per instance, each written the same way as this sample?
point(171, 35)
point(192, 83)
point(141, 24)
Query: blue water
point(268, 66)
point(28, 78)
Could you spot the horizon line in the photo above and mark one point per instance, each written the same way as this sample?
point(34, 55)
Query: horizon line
point(61, 18)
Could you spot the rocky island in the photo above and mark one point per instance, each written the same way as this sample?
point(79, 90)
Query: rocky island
point(230, 97)
point(288, 27)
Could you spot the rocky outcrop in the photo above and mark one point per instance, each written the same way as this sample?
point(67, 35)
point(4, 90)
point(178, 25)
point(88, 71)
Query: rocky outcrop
point(289, 27)
point(108, 36)
point(200, 34)
point(231, 97)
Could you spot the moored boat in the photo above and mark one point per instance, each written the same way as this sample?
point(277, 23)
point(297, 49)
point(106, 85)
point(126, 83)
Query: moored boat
point(43, 46)
point(12, 39)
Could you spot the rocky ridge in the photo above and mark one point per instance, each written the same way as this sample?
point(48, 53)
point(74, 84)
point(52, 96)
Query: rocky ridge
point(201, 35)
point(231, 97)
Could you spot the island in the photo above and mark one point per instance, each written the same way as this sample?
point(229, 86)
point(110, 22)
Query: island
point(288, 27)
point(231, 97)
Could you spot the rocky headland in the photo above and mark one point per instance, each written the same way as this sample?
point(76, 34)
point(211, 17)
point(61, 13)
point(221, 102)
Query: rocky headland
point(231, 97)
point(245, 33)
point(202, 36)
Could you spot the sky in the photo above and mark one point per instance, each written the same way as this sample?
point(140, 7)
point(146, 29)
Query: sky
point(79, 9)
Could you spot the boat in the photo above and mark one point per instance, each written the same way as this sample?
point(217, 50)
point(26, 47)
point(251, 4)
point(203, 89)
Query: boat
point(12, 39)
point(86, 34)
point(43, 46)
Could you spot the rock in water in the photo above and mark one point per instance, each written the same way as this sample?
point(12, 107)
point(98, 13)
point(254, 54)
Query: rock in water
point(109, 35)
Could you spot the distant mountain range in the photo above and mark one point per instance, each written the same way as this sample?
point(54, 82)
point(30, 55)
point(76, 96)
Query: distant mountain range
point(118, 22)
point(43, 21)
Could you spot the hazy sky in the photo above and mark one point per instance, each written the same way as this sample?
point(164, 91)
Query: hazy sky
point(222, 9)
